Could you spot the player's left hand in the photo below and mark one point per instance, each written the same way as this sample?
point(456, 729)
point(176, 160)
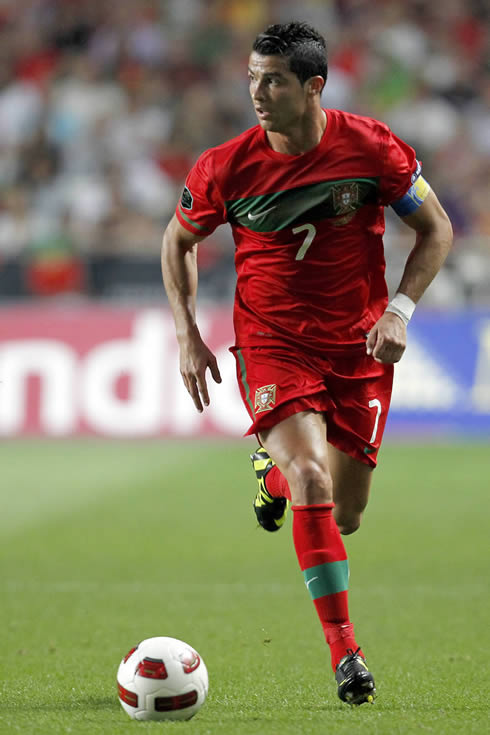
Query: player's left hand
point(387, 339)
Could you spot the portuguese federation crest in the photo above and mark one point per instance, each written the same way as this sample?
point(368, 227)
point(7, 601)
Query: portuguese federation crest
point(345, 197)
point(265, 398)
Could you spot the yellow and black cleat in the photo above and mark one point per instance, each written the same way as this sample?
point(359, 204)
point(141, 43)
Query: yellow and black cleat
point(271, 512)
point(355, 681)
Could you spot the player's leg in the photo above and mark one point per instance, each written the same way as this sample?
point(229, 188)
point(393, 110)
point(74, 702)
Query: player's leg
point(362, 391)
point(351, 487)
point(298, 445)
point(285, 395)
point(273, 383)
point(351, 484)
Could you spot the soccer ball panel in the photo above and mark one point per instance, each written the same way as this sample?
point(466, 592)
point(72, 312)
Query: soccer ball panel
point(162, 679)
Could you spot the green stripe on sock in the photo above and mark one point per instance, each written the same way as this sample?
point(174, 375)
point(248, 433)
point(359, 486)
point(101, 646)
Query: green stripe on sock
point(327, 579)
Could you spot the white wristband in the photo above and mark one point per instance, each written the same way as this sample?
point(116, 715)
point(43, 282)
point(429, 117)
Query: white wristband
point(402, 306)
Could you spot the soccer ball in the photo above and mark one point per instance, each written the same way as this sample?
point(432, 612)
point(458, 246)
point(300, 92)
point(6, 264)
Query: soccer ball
point(162, 679)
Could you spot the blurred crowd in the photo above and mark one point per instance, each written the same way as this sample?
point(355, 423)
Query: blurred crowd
point(105, 105)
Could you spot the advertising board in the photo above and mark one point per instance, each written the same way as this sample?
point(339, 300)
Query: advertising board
point(107, 371)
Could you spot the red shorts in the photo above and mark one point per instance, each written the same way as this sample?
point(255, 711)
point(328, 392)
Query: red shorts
point(353, 391)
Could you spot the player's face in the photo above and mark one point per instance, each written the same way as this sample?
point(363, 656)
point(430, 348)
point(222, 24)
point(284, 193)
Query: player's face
point(277, 94)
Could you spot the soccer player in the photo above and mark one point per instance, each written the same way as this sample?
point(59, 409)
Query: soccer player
point(316, 338)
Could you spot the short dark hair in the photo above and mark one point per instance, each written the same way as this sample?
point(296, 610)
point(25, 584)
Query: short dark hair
point(301, 44)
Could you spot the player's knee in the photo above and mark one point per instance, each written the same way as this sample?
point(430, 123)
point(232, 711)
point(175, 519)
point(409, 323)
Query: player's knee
point(346, 528)
point(309, 481)
point(347, 522)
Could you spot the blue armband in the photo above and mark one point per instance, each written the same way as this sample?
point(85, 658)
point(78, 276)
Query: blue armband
point(414, 197)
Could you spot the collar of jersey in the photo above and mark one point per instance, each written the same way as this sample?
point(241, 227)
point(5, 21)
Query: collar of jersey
point(303, 156)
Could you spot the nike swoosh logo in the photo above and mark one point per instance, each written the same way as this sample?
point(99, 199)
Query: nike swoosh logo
point(309, 582)
point(253, 217)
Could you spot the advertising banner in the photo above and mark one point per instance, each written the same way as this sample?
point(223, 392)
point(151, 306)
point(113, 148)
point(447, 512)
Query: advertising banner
point(113, 372)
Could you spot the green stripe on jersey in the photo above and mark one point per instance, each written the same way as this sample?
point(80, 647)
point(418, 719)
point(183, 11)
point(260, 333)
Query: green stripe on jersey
point(191, 222)
point(281, 209)
point(327, 579)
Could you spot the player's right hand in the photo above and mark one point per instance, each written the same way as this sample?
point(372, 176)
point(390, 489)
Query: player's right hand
point(195, 359)
point(387, 339)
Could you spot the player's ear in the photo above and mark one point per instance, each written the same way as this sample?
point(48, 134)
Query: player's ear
point(314, 85)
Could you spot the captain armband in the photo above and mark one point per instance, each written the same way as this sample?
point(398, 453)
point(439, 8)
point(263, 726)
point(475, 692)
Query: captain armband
point(414, 197)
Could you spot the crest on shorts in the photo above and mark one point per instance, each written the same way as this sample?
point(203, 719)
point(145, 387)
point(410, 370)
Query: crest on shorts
point(345, 197)
point(265, 398)
point(186, 200)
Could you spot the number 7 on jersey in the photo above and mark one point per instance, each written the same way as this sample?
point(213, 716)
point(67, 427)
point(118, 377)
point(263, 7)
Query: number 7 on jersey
point(311, 232)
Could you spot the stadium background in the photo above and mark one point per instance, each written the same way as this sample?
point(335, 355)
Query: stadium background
point(104, 107)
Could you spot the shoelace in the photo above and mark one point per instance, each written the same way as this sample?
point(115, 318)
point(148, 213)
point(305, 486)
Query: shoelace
point(347, 665)
point(352, 654)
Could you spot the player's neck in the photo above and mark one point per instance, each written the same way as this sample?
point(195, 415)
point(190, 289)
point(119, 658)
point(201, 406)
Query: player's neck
point(302, 138)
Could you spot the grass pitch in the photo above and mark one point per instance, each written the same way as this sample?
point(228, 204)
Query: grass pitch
point(103, 544)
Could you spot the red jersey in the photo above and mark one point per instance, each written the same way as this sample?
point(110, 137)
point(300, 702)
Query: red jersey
point(307, 229)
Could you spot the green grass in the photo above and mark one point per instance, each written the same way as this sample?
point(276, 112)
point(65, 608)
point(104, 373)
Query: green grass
point(103, 544)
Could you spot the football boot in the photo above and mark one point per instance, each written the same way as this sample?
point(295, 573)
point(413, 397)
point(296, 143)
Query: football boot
point(355, 681)
point(271, 512)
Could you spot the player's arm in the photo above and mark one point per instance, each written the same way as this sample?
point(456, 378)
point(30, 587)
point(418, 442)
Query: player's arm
point(432, 245)
point(387, 339)
point(180, 277)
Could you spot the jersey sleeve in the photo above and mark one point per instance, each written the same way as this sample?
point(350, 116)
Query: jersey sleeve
point(400, 168)
point(201, 209)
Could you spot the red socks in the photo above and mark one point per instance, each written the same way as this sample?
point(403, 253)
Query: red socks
point(323, 561)
point(276, 484)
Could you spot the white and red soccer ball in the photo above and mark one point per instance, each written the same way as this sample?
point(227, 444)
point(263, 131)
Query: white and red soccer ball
point(162, 679)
